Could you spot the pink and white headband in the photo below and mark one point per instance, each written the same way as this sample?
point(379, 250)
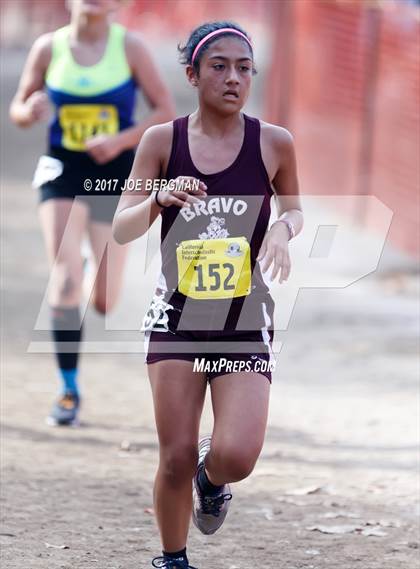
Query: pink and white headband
point(216, 33)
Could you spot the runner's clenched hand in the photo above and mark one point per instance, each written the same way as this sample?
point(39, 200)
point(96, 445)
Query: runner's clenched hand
point(103, 148)
point(38, 107)
point(186, 195)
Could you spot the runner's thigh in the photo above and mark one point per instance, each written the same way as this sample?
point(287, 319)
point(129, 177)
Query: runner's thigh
point(178, 396)
point(240, 407)
point(63, 222)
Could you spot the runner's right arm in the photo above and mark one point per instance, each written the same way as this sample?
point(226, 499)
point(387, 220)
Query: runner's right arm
point(30, 104)
point(137, 208)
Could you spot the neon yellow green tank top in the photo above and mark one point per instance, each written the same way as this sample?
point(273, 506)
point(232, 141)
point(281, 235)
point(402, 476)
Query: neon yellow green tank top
point(89, 100)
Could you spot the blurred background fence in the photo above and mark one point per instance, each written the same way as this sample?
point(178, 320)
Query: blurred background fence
point(342, 75)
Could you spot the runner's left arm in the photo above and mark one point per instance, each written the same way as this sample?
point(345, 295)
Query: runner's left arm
point(282, 160)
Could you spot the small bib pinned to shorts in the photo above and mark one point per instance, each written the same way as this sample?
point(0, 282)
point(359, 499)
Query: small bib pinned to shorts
point(47, 170)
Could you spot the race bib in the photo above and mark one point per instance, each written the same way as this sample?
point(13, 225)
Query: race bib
point(80, 122)
point(156, 318)
point(214, 268)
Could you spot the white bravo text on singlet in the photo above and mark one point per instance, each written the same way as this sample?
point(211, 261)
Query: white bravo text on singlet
point(214, 205)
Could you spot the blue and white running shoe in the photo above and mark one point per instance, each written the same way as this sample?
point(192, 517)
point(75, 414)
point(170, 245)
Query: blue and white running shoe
point(65, 411)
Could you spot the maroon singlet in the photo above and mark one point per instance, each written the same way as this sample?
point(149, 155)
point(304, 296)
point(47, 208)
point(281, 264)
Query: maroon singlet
point(237, 204)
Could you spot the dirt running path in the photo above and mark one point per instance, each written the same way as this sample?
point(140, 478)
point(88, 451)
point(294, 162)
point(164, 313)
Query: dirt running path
point(341, 446)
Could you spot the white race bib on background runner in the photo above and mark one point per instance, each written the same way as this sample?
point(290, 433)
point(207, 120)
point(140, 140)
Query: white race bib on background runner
point(47, 170)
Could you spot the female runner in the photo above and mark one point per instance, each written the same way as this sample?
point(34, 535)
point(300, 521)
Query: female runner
point(90, 70)
point(212, 307)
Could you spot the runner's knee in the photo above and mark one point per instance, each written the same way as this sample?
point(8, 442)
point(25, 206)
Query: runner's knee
point(178, 463)
point(235, 463)
point(65, 282)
